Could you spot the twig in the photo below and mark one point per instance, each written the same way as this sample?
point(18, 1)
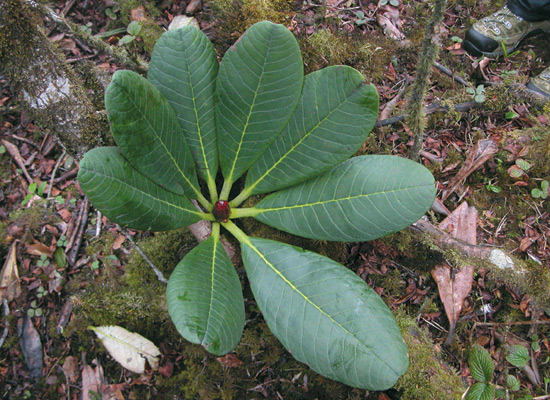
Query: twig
point(157, 271)
point(98, 223)
point(117, 53)
point(6, 313)
point(512, 323)
point(14, 152)
point(436, 107)
point(390, 105)
point(57, 164)
point(83, 221)
point(447, 71)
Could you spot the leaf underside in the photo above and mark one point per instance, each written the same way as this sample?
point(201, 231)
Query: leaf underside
point(127, 197)
point(205, 299)
point(362, 199)
point(325, 315)
point(147, 132)
point(336, 112)
point(258, 86)
point(184, 67)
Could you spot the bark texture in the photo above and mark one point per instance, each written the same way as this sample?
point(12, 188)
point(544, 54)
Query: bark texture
point(49, 89)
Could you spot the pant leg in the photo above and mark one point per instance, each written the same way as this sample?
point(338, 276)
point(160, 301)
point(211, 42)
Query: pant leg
point(530, 10)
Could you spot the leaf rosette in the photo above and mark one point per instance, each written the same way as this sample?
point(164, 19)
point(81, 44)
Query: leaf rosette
point(270, 130)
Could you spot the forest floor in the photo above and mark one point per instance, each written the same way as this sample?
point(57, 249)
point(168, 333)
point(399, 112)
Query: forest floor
point(66, 267)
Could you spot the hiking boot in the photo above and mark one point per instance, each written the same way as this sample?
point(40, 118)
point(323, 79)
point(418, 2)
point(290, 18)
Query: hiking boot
point(541, 83)
point(502, 30)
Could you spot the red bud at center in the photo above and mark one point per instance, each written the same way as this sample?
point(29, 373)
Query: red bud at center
point(221, 211)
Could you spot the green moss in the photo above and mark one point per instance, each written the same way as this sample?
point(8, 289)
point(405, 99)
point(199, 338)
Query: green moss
point(165, 249)
point(428, 376)
point(236, 16)
point(327, 47)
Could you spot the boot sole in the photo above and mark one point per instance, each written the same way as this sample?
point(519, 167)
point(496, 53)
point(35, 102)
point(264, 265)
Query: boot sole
point(475, 51)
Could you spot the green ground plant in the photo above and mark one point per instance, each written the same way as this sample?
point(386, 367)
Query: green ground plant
point(268, 129)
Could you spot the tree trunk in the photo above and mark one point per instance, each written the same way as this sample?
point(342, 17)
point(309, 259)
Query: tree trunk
point(49, 89)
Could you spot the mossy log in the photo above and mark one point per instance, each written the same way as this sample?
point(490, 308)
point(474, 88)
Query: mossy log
point(50, 91)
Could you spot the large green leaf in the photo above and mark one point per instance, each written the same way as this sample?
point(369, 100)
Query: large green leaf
point(362, 199)
point(184, 68)
point(335, 114)
point(127, 197)
point(257, 88)
point(147, 131)
point(325, 315)
point(205, 299)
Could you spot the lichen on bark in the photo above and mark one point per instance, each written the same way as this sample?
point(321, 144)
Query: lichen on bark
point(50, 90)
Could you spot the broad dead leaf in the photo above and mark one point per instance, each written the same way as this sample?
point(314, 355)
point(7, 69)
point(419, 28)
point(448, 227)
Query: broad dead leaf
point(453, 289)
point(455, 286)
point(31, 346)
point(476, 157)
point(92, 379)
point(129, 349)
point(10, 286)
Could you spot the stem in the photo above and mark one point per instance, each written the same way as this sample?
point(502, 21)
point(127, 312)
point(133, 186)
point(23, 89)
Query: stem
point(212, 190)
point(245, 212)
point(245, 194)
point(207, 216)
point(235, 231)
point(417, 114)
point(215, 230)
point(204, 202)
point(226, 188)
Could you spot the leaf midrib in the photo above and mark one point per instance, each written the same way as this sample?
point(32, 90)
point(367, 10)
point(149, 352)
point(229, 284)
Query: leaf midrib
point(251, 108)
point(199, 129)
point(202, 215)
point(156, 135)
point(320, 203)
point(308, 300)
point(251, 187)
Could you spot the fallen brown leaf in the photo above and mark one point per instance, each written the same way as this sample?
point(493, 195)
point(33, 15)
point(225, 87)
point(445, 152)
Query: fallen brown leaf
point(455, 286)
point(31, 346)
point(476, 157)
point(229, 361)
point(92, 379)
point(453, 289)
point(10, 286)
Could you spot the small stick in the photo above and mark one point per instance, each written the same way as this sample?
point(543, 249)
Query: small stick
point(57, 164)
point(545, 322)
point(76, 245)
point(6, 313)
point(14, 152)
point(447, 71)
point(157, 271)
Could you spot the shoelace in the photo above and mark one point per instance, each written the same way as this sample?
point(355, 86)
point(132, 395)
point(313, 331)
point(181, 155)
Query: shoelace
point(500, 19)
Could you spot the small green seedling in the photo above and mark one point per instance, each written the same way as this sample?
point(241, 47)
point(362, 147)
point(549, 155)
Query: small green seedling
point(394, 3)
point(34, 311)
point(518, 356)
point(478, 94)
point(34, 189)
point(481, 368)
point(2, 149)
point(41, 292)
point(62, 241)
point(111, 12)
point(541, 193)
point(490, 186)
point(133, 30)
point(361, 18)
point(272, 132)
point(43, 262)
